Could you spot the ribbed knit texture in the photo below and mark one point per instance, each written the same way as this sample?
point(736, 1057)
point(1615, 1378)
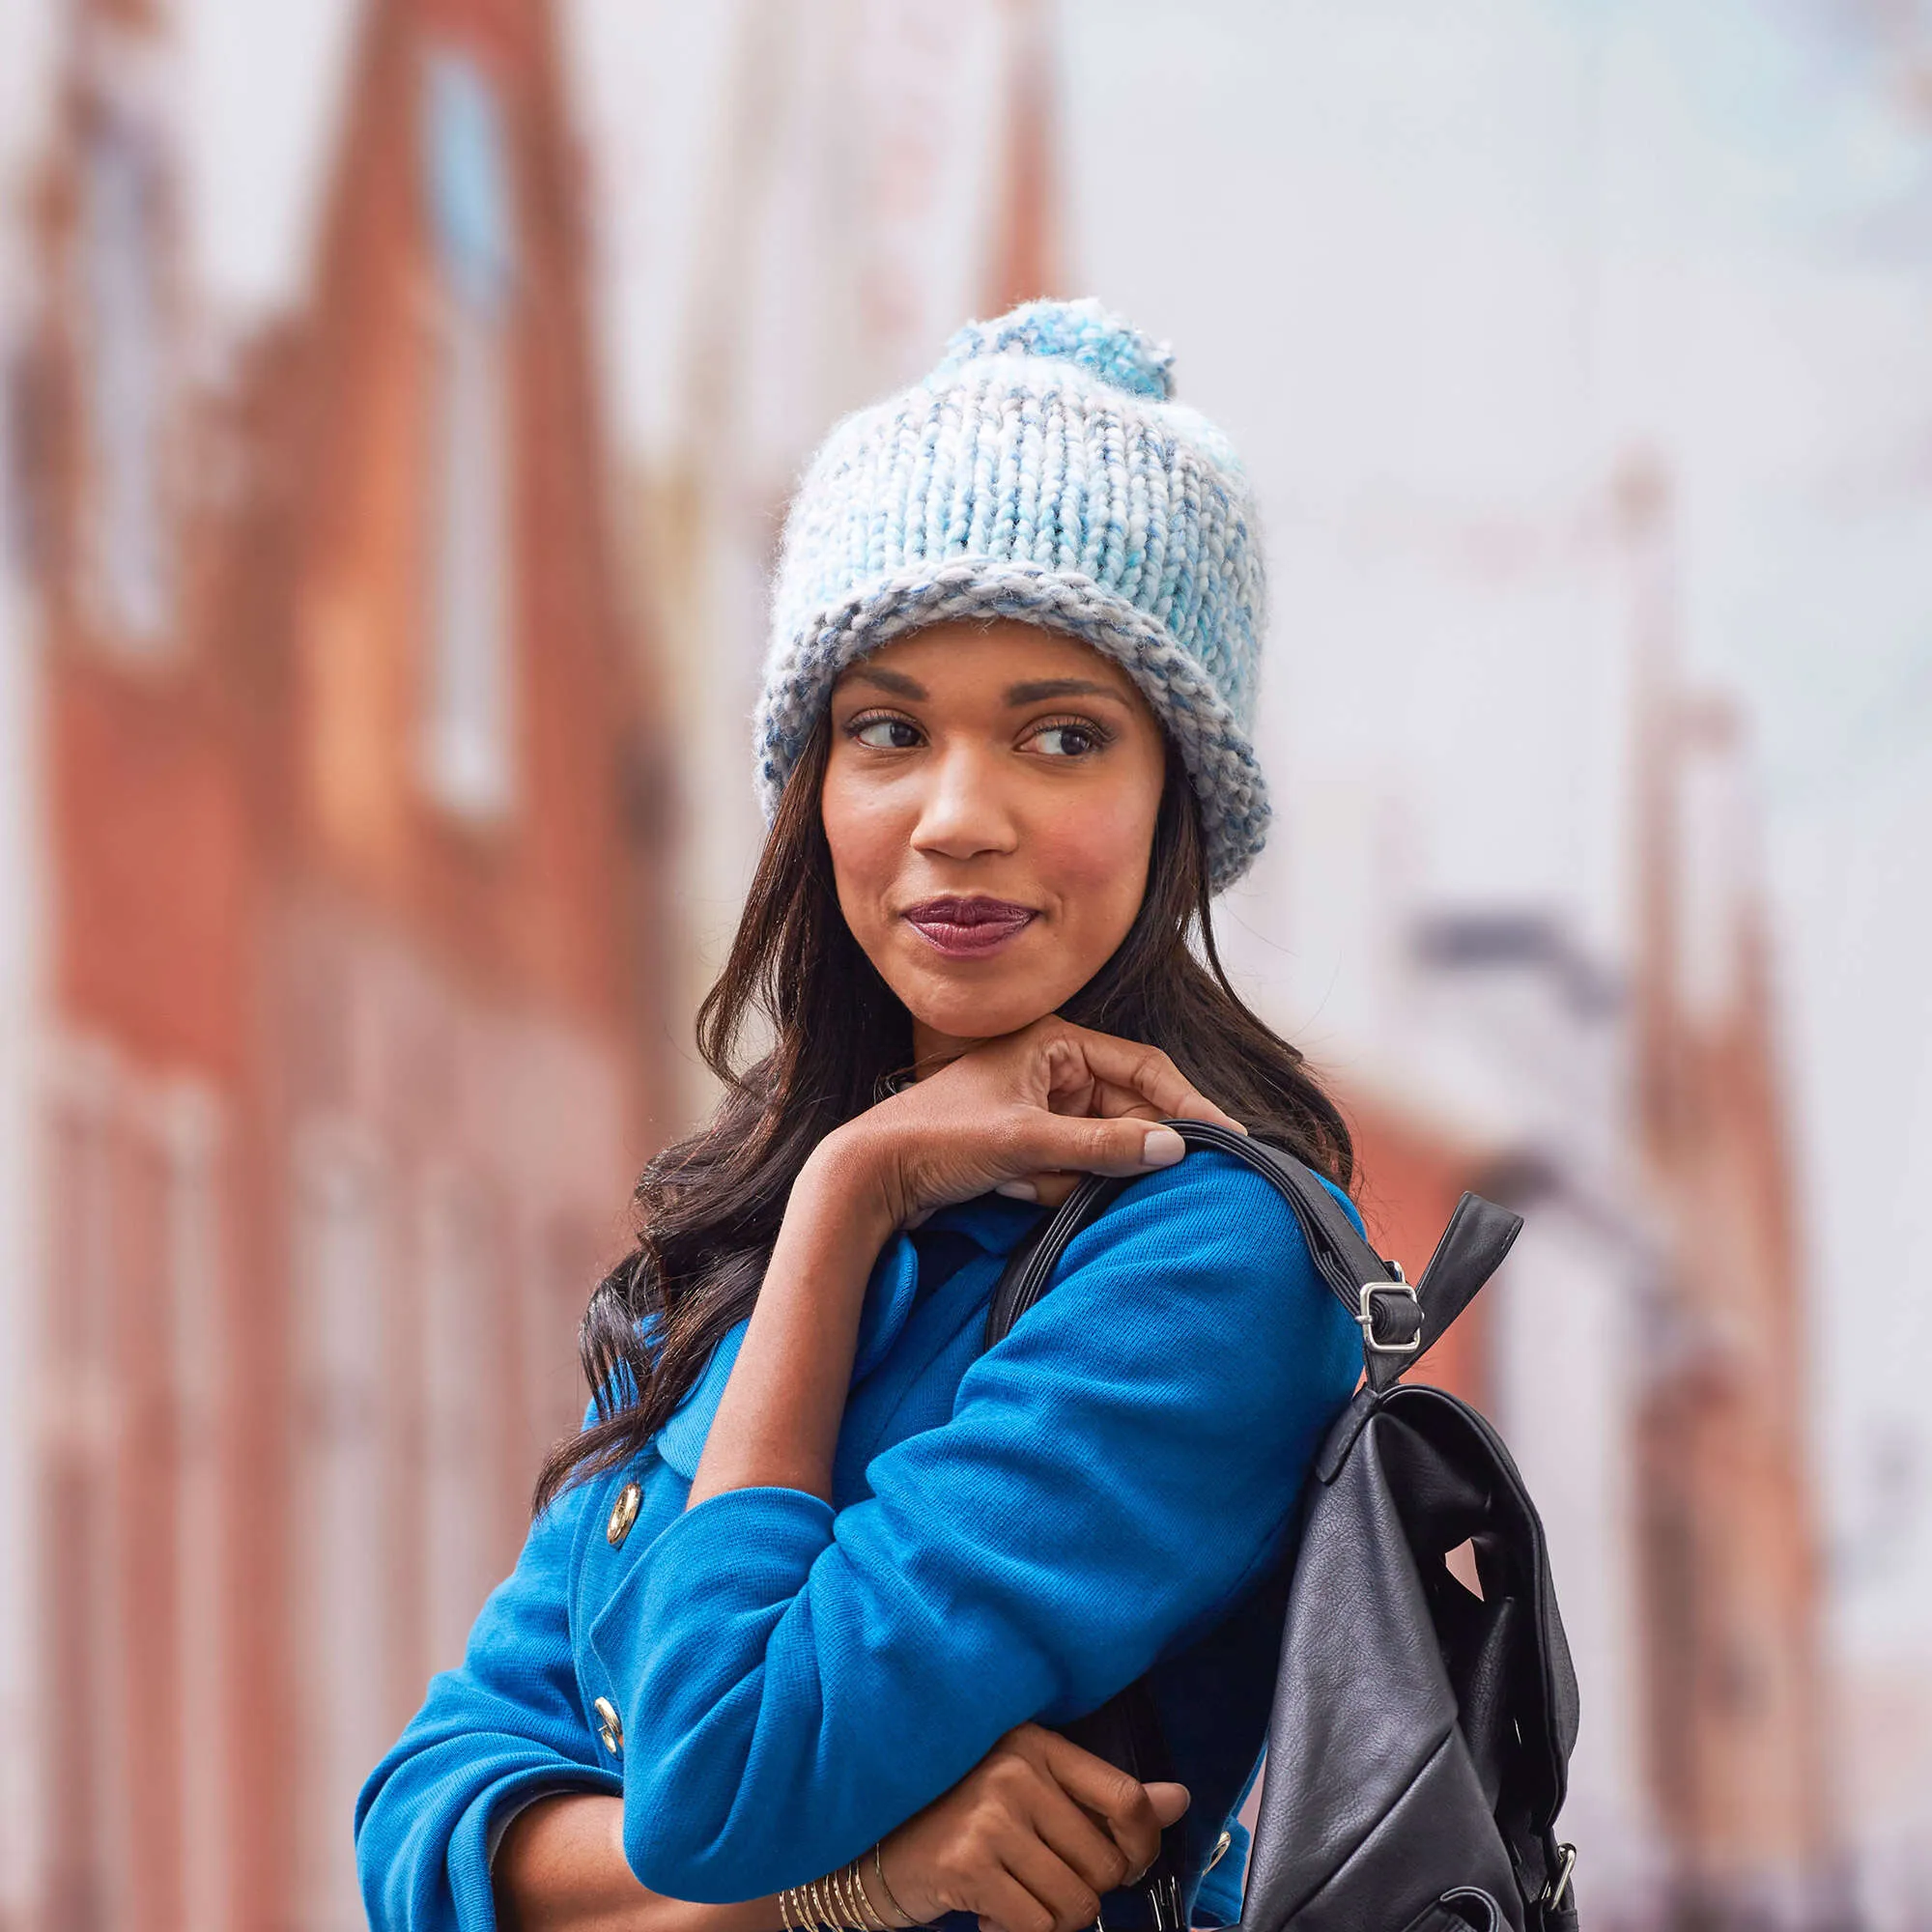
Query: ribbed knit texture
point(1015, 1534)
point(1041, 472)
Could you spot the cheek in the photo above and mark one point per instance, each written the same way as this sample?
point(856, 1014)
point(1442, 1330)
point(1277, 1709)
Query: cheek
point(868, 842)
point(1093, 851)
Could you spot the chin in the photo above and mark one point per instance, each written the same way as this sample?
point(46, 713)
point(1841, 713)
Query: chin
point(981, 1013)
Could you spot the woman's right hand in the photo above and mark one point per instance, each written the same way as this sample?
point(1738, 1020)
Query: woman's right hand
point(1029, 1838)
point(1035, 1109)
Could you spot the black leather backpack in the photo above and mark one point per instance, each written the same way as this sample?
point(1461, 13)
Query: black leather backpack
point(1419, 1742)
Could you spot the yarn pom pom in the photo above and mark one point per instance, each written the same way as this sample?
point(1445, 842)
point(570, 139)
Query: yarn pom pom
point(1070, 331)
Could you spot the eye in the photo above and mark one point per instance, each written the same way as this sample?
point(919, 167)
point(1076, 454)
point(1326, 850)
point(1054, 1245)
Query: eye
point(1071, 738)
point(878, 732)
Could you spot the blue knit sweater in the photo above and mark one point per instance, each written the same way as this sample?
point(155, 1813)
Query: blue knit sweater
point(1014, 1534)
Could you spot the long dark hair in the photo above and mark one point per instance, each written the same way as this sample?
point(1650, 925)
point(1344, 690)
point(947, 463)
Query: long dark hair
point(709, 1206)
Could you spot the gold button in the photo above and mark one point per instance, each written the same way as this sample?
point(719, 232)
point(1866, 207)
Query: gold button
point(611, 1729)
point(623, 1514)
point(1227, 1839)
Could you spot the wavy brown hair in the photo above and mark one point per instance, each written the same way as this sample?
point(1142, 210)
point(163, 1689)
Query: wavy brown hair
point(708, 1207)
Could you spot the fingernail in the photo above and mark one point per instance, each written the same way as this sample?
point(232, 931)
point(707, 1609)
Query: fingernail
point(1162, 1147)
point(1018, 1190)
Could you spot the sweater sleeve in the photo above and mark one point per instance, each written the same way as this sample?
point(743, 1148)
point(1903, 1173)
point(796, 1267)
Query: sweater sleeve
point(795, 1682)
point(492, 1734)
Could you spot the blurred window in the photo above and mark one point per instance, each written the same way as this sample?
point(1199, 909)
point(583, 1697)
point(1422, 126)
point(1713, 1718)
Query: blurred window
point(342, 1505)
point(187, 1122)
point(468, 1427)
point(127, 556)
point(84, 1584)
point(468, 719)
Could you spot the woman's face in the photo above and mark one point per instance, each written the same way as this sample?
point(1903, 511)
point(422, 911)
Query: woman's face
point(989, 798)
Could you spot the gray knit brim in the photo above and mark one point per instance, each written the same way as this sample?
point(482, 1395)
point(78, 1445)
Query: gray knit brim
point(1219, 759)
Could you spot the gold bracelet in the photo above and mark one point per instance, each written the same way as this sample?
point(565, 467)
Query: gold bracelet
point(849, 1911)
point(854, 1916)
point(837, 1902)
point(869, 1912)
point(879, 1866)
point(828, 1915)
point(835, 1905)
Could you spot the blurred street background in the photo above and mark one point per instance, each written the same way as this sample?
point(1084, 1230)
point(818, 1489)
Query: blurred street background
point(399, 397)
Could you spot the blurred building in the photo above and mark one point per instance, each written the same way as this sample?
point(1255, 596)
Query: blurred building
point(1739, 1717)
point(352, 955)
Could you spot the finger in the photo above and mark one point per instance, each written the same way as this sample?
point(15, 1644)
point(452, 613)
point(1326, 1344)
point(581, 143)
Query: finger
point(1007, 1904)
point(1072, 1833)
point(1148, 1072)
point(1169, 1800)
point(1051, 1879)
point(1117, 1103)
point(1092, 1145)
point(1122, 1801)
point(1047, 1188)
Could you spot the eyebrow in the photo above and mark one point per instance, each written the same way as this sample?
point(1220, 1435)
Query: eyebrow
point(1032, 693)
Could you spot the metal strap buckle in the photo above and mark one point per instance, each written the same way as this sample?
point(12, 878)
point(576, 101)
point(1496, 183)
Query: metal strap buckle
point(1553, 1897)
point(1365, 1317)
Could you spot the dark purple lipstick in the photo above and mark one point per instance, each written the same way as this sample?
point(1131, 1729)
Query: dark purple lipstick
point(968, 928)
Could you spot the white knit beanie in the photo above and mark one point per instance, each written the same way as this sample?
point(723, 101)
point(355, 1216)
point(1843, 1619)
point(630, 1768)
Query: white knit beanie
point(1040, 472)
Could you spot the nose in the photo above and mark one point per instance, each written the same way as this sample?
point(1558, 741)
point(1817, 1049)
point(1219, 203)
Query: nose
point(964, 811)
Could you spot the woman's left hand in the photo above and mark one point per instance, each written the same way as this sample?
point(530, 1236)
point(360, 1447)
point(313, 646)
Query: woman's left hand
point(1027, 1114)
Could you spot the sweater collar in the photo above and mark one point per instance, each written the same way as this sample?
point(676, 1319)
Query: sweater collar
point(994, 1220)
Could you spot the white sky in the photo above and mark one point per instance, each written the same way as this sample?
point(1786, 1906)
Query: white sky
point(1435, 270)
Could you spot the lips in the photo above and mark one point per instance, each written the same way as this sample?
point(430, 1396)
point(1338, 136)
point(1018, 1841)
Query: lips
point(968, 927)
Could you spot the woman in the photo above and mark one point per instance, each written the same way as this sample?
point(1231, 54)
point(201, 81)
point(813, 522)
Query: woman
point(816, 1575)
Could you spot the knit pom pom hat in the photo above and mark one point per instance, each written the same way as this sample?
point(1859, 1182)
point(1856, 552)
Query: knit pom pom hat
point(1040, 472)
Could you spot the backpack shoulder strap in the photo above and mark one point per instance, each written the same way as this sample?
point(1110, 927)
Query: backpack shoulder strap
point(1470, 1250)
point(1398, 1321)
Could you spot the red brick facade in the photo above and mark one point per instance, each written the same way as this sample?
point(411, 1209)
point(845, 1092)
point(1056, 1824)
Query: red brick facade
point(355, 1061)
